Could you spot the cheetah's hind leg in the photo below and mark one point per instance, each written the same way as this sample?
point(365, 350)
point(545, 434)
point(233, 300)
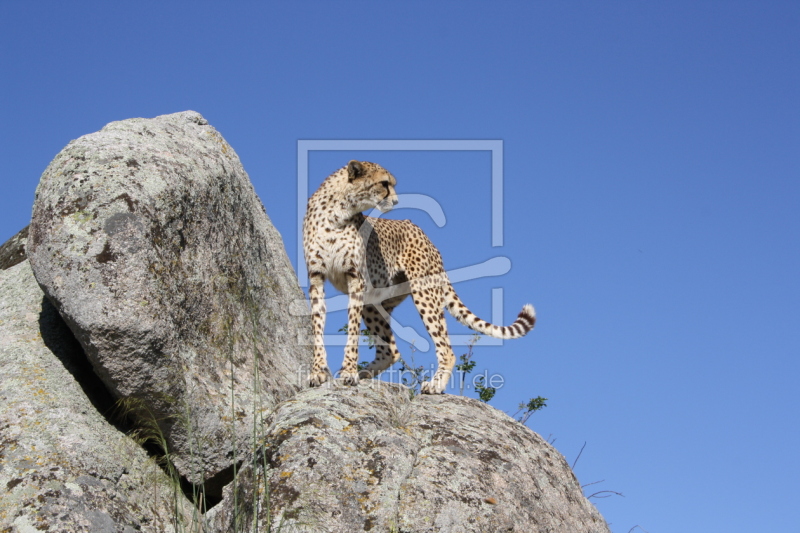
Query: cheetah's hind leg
point(430, 304)
point(386, 352)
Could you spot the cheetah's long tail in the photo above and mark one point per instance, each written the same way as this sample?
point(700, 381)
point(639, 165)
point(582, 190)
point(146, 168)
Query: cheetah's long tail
point(521, 326)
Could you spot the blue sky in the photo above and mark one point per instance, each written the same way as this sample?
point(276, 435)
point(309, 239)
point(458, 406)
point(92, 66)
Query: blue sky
point(651, 193)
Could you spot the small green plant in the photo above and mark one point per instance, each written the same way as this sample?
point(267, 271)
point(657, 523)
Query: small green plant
point(466, 365)
point(365, 334)
point(527, 409)
point(485, 392)
point(412, 376)
point(147, 433)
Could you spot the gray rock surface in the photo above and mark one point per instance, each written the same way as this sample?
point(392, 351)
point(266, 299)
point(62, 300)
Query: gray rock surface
point(63, 467)
point(149, 239)
point(12, 252)
point(368, 459)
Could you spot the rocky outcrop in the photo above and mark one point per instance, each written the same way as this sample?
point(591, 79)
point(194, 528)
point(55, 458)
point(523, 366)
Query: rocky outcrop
point(150, 241)
point(370, 459)
point(63, 467)
point(166, 286)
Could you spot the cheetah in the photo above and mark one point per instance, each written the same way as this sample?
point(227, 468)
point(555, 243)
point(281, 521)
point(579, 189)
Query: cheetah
point(378, 262)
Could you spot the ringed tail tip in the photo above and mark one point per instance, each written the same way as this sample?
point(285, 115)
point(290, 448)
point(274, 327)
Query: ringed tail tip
point(528, 317)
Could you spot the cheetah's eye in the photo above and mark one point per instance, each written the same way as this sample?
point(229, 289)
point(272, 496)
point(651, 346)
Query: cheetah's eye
point(385, 184)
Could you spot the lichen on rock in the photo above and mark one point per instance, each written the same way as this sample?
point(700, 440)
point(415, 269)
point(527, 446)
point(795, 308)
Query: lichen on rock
point(63, 466)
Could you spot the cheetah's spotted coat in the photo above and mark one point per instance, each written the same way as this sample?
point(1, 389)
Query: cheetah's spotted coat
point(397, 260)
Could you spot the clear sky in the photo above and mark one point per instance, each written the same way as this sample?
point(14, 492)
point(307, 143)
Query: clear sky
point(651, 195)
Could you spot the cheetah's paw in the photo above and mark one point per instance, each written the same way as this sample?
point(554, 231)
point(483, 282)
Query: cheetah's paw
point(432, 387)
point(349, 378)
point(315, 379)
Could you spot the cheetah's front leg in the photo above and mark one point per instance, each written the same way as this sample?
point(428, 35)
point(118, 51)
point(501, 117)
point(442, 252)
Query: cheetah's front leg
point(355, 307)
point(319, 368)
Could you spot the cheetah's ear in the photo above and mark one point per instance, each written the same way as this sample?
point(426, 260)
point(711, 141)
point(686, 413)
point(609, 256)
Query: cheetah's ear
point(354, 170)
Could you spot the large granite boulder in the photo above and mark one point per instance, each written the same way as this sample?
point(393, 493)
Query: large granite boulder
point(150, 241)
point(369, 459)
point(63, 466)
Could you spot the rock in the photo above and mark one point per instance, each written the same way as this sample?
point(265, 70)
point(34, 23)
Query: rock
point(63, 467)
point(12, 252)
point(153, 249)
point(368, 459)
point(152, 244)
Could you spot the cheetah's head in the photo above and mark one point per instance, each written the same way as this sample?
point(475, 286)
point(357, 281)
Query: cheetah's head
point(370, 185)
